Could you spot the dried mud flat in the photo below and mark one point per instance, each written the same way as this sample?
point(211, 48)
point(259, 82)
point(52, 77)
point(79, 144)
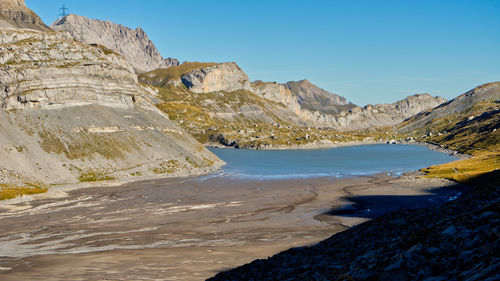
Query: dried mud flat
point(188, 229)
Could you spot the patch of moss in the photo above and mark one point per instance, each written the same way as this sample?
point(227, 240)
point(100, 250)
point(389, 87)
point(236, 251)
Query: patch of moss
point(94, 175)
point(20, 148)
point(83, 145)
point(12, 191)
point(167, 167)
point(192, 162)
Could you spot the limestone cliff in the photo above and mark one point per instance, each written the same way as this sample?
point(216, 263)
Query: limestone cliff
point(134, 45)
point(374, 115)
point(313, 98)
point(219, 77)
point(278, 93)
point(75, 112)
point(15, 14)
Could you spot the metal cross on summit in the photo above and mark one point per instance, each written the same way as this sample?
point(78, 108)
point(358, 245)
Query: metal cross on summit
point(63, 11)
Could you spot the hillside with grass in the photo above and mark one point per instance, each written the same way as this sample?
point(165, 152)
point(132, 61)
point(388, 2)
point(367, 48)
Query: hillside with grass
point(468, 124)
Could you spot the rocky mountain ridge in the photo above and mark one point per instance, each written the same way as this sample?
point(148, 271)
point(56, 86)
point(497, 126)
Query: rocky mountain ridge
point(228, 77)
point(378, 115)
point(134, 45)
point(490, 91)
point(15, 14)
point(75, 112)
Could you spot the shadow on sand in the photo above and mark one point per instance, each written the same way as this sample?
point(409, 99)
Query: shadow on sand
point(377, 205)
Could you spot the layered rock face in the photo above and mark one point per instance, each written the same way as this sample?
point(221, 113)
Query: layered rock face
point(278, 93)
point(73, 112)
point(313, 98)
point(15, 14)
point(134, 45)
point(374, 115)
point(226, 77)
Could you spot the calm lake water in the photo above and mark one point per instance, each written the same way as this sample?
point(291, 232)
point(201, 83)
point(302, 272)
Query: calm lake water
point(336, 162)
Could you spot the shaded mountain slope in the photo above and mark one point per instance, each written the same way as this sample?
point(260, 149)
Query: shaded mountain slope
point(454, 107)
point(313, 98)
point(15, 14)
point(469, 124)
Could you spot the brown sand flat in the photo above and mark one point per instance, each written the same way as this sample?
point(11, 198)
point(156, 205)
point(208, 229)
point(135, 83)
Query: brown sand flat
point(179, 229)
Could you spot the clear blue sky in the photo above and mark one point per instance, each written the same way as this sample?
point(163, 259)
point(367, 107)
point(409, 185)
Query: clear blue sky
point(369, 51)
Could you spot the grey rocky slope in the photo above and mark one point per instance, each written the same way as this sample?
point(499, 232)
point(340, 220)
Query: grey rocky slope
point(72, 111)
point(314, 98)
point(490, 91)
point(15, 14)
point(134, 45)
point(376, 115)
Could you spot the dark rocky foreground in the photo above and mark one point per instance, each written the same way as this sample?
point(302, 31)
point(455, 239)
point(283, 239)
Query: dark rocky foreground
point(457, 241)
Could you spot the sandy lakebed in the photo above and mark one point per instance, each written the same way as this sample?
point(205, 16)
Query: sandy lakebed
point(193, 228)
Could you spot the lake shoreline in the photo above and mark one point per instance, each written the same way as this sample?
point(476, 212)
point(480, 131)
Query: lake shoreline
point(58, 191)
point(313, 146)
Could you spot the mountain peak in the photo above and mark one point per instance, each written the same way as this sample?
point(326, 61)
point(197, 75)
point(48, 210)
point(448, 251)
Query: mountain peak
point(133, 44)
point(14, 14)
point(314, 98)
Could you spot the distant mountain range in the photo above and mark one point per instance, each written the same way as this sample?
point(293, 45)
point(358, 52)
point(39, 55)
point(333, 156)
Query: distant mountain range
point(93, 65)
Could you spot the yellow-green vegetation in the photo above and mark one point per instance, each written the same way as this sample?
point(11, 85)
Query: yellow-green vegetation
point(82, 145)
point(466, 170)
point(192, 162)
point(475, 132)
point(268, 135)
point(20, 148)
point(94, 175)
point(166, 167)
point(136, 174)
point(160, 77)
point(12, 191)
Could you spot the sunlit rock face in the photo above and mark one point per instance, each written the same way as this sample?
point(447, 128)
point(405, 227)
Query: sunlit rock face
point(133, 44)
point(226, 77)
point(74, 112)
